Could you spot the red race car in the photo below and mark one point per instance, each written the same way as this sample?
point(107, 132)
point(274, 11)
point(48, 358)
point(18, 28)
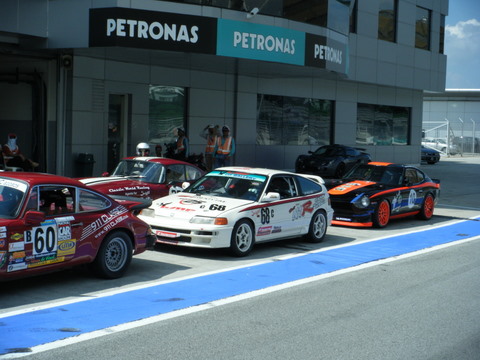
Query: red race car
point(49, 222)
point(146, 177)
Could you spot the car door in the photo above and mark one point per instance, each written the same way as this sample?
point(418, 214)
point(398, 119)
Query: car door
point(281, 218)
point(413, 192)
point(53, 239)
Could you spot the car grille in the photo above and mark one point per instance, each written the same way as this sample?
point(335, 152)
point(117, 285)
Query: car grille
point(341, 203)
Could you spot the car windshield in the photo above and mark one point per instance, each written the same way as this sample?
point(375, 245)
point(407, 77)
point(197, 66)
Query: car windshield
point(12, 193)
point(230, 184)
point(329, 151)
point(146, 171)
point(380, 174)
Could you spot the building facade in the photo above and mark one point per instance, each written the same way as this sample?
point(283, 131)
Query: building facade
point(453, 118)
point(97, 77)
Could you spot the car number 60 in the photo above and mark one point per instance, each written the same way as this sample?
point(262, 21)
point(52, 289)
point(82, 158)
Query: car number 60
point(44, 239)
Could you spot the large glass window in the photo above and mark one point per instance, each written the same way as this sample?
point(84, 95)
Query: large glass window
point(293, 121)
point(166, 113)
point(422, 29)
point(387, 20)
point(382, 125)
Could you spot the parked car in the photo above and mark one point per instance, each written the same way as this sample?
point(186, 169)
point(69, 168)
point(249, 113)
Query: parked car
point(146, 177)
point(372, 194)
point(49, 222)
point(441, 145)
point(331, 160)
point(430, 156)
point(236, 207)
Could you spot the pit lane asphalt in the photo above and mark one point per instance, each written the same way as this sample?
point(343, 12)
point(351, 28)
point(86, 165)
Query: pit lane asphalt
point(270, 264)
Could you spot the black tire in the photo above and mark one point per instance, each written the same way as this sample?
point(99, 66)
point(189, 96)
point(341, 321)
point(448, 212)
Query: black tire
point(243, 238)
point(114, 256)
point(340, 171)
point(318, 227)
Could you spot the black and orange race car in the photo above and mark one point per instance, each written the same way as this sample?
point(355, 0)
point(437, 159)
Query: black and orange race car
point(372, 194)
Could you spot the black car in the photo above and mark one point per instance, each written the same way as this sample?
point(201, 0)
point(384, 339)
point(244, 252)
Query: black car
point(372, 194)
point(331, 160)
point(431, 156)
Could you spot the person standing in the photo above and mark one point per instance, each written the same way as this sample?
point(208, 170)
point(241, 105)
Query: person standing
point(224, 148)
point(181, 149)
point(210, 134)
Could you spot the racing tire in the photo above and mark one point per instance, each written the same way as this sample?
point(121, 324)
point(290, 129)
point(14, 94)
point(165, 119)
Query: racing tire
point(318, 227)
point(114, 256)
point(243, 238)
point(340, 171)
point(426, 212)
point(381, 215)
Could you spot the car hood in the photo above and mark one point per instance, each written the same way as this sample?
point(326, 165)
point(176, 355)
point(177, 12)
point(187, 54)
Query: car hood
point(352, 186)
point(186, 205)
point(117, 185)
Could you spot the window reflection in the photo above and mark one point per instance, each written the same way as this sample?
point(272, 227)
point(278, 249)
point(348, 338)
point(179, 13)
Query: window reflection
point(293, 121)
point(382, 125)
point(166, 113)
point(387, 18)
point(422, 29)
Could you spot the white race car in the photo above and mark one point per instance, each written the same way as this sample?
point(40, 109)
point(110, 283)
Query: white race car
point(235, 207)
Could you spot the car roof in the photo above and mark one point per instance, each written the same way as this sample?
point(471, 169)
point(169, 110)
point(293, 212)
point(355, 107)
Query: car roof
point(33, 178)
point(160, 160)
point(258, 171)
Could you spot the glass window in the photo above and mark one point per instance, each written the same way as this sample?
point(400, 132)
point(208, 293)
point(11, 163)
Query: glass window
point(387, 20)
point(56, 200)
point(89, 201)
point(192, 173)
point(167, 111)
point(442, 34)
point(353, 17)
point(422, 28)
point(308, 187)
point(383, 125)
point(312, 12)
point(293, 121)
point(175, 173)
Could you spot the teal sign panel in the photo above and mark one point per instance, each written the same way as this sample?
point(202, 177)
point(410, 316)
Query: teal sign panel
point(260, 42)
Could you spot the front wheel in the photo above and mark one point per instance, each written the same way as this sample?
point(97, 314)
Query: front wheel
point(114, 256)
point(426, 212)
point(340, 170)
point(381, 216)
point(318, 227)
point(243, 238)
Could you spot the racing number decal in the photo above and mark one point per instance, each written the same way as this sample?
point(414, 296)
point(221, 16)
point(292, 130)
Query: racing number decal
point(217, 207)
point(44, 239)
point(265, 215)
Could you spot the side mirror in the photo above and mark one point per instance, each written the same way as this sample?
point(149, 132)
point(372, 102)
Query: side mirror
point(34, 217)
point(271, 196)
point(105, 174)
point(185, 185)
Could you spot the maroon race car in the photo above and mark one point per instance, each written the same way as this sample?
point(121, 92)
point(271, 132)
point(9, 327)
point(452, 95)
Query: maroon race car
point(146, 177)
point(49, 222)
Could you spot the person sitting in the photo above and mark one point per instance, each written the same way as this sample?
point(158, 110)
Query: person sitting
point(14, 157)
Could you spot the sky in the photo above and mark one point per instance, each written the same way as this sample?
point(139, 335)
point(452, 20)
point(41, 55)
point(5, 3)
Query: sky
point(462, 44)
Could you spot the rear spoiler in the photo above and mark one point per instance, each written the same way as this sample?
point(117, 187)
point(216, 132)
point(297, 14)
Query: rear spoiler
point(134, 204)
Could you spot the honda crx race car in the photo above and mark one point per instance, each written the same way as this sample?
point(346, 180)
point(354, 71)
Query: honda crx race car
point(372, 194)
point(236, 207)
point(49, 222)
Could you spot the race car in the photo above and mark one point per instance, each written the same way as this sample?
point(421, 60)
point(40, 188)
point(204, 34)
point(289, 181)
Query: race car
point(146, 177)
point(49, 222)
point(236, 207)
point(372, 194)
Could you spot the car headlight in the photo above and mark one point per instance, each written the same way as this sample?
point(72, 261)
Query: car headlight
point(148, 212)
point(206, 220)
point(361, 201)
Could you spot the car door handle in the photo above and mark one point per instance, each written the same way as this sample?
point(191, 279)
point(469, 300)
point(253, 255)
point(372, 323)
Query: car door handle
point(77, 224)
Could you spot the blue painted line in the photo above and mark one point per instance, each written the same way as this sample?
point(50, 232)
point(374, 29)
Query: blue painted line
point(34, 328)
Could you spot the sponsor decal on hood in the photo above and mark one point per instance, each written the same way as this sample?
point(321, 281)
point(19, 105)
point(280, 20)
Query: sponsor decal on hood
point(351, 186)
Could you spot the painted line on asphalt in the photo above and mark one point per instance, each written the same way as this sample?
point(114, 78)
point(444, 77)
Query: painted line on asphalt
point(60, 325)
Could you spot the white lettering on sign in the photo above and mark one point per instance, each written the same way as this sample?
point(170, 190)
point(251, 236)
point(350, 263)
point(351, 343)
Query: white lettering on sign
point(263, 43)
point(155, 30)
point(328, 53)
